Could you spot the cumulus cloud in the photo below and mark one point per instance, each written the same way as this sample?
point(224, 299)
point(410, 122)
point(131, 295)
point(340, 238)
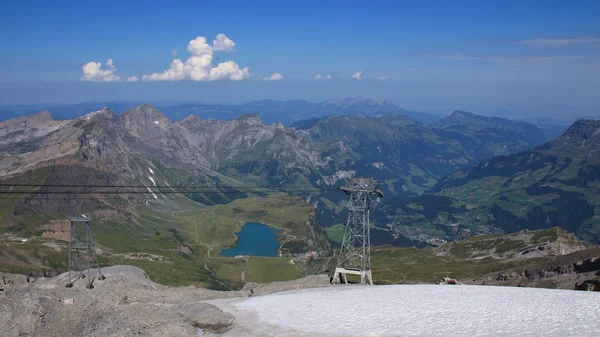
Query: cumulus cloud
point(223, 43)
point(358, 75)
point(93, 72)
point(199, 67)
point(328, 77)
point(174, 52)
point(274, 77)
point(318, 77)
point(132, 79)
point(382, 78)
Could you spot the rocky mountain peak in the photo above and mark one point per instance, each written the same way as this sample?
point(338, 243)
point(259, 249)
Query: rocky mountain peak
point(144, 121)
point(583, 128)
point(143, 112)
point(42, 116)
point(251, 119)
point(191, 118)
point(40, 119)
point(104, 113)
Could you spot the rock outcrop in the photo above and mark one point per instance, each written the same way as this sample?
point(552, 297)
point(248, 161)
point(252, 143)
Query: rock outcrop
point(125, 303)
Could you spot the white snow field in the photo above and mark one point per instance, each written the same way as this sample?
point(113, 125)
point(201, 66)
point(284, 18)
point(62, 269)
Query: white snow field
point(417, 310)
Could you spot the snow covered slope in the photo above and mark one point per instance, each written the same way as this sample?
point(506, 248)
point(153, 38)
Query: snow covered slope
point(417, 310)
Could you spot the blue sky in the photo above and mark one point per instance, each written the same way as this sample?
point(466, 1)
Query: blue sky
point(530, 57)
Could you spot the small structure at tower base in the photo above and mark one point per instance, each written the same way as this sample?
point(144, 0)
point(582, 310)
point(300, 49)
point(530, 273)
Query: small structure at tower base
point(341, 275)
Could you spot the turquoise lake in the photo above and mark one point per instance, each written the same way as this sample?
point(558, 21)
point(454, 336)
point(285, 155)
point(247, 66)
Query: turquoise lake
point(254, 239)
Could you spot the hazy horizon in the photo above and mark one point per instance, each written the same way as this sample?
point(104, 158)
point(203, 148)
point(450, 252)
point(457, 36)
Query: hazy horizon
point(229, 93)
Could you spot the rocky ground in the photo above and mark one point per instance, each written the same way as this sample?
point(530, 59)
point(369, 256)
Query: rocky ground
point(126, 303)
point(577, 271)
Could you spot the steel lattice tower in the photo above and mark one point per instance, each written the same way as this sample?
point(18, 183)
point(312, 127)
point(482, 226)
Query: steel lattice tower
point(82, 252)
point(355, 254)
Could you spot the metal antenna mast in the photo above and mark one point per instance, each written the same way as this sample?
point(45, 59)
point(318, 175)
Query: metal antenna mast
point(355, 253)
point(82, 252)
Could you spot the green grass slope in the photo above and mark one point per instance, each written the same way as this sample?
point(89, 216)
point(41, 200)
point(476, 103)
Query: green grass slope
point(177, 242)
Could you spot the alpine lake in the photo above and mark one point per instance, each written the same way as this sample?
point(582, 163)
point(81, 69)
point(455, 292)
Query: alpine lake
point(255, 239)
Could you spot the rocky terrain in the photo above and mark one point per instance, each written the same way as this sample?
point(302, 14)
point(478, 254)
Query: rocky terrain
point(544, 259)
point(148, 155)
point(550, 258)
point(577, 271)
point(126, 303)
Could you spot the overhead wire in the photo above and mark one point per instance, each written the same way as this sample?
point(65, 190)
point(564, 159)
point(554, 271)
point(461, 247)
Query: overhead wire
point(144, 186)
point(71, 190)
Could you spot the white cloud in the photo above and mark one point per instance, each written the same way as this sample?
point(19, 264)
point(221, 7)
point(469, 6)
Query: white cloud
point(223, 43)
point(328, 77)
point(358, 75)
point(199, 66)
point(318, 77)
point(230, 70)
point(382, 78)
point(93, 72)
point(274, 77)
point(132, 79)
point(174, 53)
point(199, 47)
point(175, 73)
point(562, 42)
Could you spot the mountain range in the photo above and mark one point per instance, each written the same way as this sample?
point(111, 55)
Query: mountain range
point(142, 146)
point(288, 112)
point(554, 185)
point(270, 111)
point(173, 191)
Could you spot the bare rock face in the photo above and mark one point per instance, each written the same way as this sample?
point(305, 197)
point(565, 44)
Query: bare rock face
point(207, 317)
point(579, 271)
point(145, 121)
point(584, 266)
point(125, 144)
point(588, 285)
point(584, 129)
point(138, 147)
point(126, 303)
point(38, 120)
